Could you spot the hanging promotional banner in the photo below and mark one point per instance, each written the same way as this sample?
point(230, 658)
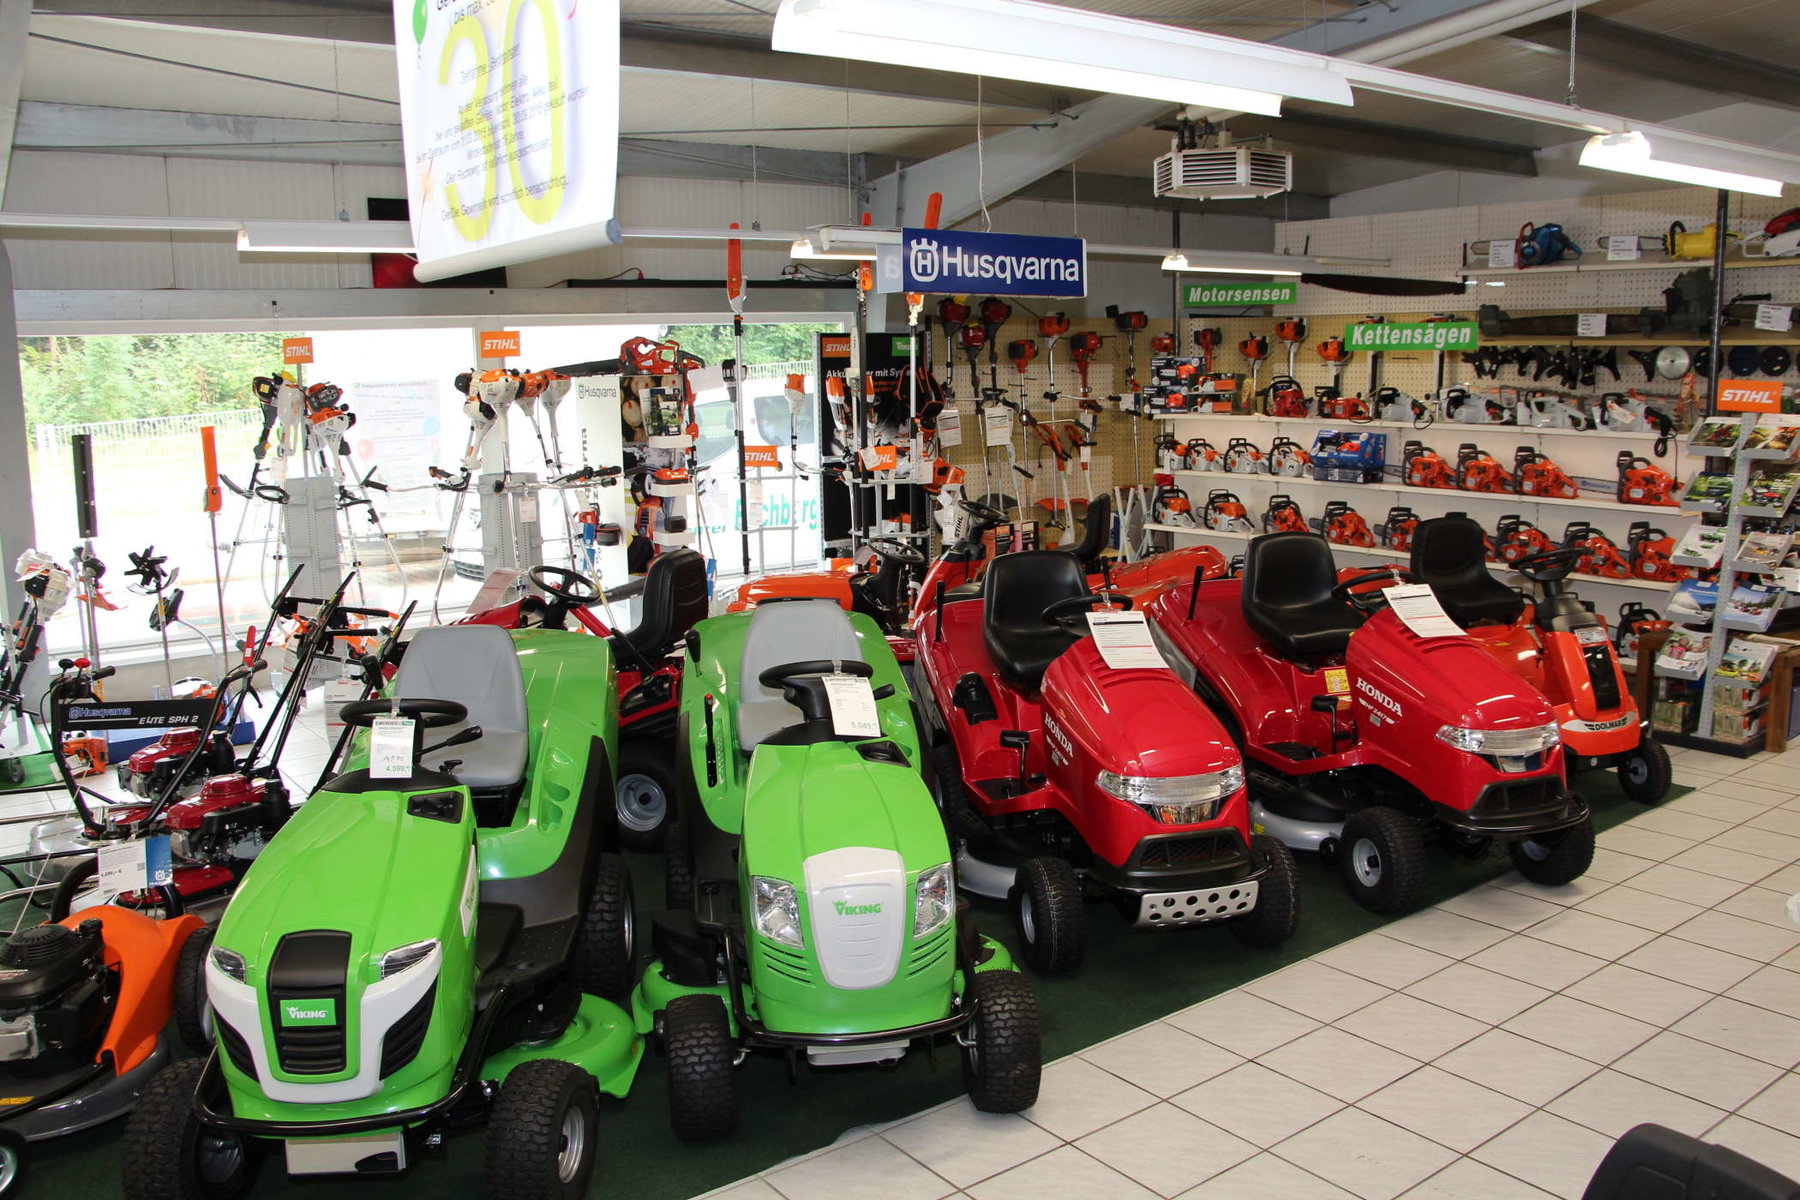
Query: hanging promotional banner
point(952, 262)
point(1419, 335)
point(1207, 295)
point(1750, 395)
point(509, 110)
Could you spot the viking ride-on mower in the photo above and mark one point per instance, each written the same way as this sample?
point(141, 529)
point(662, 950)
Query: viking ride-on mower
point(1554, 643)
point(812, 905)
point(878, 591)
point(1068, 780)
point(1366, 741)
point(425, 944)
point(673, 592)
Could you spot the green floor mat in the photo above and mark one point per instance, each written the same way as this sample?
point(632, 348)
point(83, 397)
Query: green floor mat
point(1128, 979)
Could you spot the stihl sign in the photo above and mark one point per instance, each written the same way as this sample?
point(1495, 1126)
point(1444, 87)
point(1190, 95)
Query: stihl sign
point(295, 351)
point(1749, 395)
point(499, 343)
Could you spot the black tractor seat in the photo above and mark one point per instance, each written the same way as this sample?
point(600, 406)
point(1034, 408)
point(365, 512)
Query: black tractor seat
point(1017, 588)
point(1449, 554)
point(1096, 531)
point(1287, 596)
point(674, 600)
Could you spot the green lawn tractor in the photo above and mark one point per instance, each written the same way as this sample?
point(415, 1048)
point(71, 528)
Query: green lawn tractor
point(812, 906)
point(425, 944)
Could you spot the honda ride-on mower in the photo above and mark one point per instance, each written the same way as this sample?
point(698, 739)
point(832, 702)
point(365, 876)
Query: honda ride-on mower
point(425, 944)
point(1067, 779)
point(1553, 643)
point(1366, 741)
point(812, 906)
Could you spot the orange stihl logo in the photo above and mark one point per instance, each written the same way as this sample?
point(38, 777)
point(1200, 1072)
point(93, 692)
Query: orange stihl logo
point(762, 456)
point(499, 343)
point(1749, 395)
point(296, 350)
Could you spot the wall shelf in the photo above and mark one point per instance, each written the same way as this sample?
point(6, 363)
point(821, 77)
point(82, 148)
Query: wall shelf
point(1453, 426)
point(1401, 489)
point(1733, 262)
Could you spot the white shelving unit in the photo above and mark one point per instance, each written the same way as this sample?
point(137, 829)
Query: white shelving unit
point(1436, 428)
point(1401, 489)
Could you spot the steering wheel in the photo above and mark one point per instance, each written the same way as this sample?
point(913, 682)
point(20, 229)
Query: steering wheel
point(1549, 566)
point(560, 583)
point(1066, 612)
point(892, 550)
point(986, 514)
point(1369, 601)
point(432, 714)
point(776, 676)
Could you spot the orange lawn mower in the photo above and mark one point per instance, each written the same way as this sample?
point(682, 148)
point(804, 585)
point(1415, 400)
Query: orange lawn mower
point(1225, 513)
point(1284, 516)
point(1479, 471)
point(1650, 551)
point(1534, 474)
point(1599, 554)
point(1396, 533)
point(1284, 397)
point(1344, 525)
point(1423, 467)
point(1643, 482)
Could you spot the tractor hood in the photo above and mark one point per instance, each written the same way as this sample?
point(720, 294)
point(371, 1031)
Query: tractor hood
point(1143, 722)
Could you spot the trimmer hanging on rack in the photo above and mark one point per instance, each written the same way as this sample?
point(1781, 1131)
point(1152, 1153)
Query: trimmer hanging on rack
point(1255, 349)
point(1208, 340)
point(735, 292)
point(1082, 348)
point(1292, 332)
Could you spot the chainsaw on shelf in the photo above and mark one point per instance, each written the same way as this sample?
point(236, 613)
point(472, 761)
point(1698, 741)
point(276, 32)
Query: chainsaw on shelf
point(1423, 467)
point(1169, 505)
point(1516, 539)
point(1243, 458)
point(1335, 406)
point(1536, 475)
point(1396, 532)
point(1479, 471)
point(1288, 457)
point(1202, 455)
point(1643, 482)
point(1283, 516)
point(1600, 554)
point(1635, 620)
point(1650, 552)
point(1344, 525)
point(1284, 397)
point(1225, 513)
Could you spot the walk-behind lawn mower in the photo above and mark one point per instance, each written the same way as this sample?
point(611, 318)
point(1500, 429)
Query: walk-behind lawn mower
point(673, 590)
point(812, 906)
point(425, 944)
point(1555, 644)
point(1366, 741)
point(1067, 779)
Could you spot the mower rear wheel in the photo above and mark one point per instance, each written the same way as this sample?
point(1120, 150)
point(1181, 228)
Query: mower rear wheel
point(953, 798)
point(169, 1155)
point(1645, 772)
point(12, 1162)
point(1003, 1056)
point(193, 1014)
point(678, 869)
point(1382, 854)
point(542, 1132)
point(604, 959)
point(1046, 904)
point(703, 1086)
point(1277, 911)
point(645, 796)
point(1555, 858)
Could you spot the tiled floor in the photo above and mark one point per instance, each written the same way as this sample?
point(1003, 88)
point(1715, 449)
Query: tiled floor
point(1491, 1047)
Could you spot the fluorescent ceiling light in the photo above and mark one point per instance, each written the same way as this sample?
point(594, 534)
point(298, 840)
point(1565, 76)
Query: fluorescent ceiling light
point(1047, 43)
point(1206, 264)
point(851, 243)
point(1666, 158)
point(325, 237)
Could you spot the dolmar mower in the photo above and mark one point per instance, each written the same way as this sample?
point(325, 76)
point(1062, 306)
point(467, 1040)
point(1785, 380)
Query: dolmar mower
point(1224, 512)
point(426, 943)
point(1479, 471)
point(1396, 532)
point(1365, 741)
point(1169, 505)
point(1535, 475)
point(1421, 466)
point(1288, 457)
point(1516, 539)
point(1599, 554)
point(1643, 482)
point(1649, 551)
point(1284, 397)
point(1554, 644)
point(1069, 780)
point(812, 897)
point(1635, 620)
point(1243, 458)
point(1202, 455)
point(1344, 525)
point(1283, 516)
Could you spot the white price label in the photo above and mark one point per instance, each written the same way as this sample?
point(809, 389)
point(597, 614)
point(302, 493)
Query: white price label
point(1590, 325)
point(129, 866)
point(339, 692)
point(753, 504)
point(852, 703)
point(1123, 639)
point(1623, 248)
point(1787, 578)
point(528, 509)
point(1503, 254)
point(949, 427)
point(391, 748)
point(1418, 609)
point(1775, 318)
point(998, 422)
point(707, 379)
point(1087, 456)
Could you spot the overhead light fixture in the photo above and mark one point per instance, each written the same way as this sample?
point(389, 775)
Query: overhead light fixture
point(851, 243)
point(325, 237)
point(1223, 264)
point(1633, 153)
point(1067, 47)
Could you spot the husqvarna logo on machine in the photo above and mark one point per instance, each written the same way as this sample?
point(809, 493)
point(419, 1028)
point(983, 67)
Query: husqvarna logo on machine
point(1380, 697)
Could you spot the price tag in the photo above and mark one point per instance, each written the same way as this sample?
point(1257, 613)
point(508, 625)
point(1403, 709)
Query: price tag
point(1087, 456)
point(706, 379)
point(949, 427)
point(852, 703)
point(133, 865)
point(1503, 254)
point(753, 504)
point(998, 423)
point(1590, 325)
point(1787, 578)
point(1123, 639)
point(1418, 609)
point(528, 509)
point(391, 748)
point(339, 692)
point(1622, 249)
point(1776, 318)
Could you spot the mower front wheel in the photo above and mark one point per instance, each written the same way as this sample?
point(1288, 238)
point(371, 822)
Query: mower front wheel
point(12, 1162)
point(1003, 1056)
point(1046, 904)
point(1382, 854)
point(169, 1155)
point(703, 1086)
point(646, 792)
point(193, 1014)
point(1645, 772)
point(1555, 858)
point(542, 1132)
point(1277, 911)
point(604, 950)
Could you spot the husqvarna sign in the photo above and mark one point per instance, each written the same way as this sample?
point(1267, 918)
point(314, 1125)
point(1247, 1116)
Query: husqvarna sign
point(993, 264)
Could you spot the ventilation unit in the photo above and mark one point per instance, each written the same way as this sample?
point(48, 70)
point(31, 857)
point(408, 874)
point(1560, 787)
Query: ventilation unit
point(1227, 173)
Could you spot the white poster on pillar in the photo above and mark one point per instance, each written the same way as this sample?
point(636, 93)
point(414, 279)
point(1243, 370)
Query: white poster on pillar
point(599, 433)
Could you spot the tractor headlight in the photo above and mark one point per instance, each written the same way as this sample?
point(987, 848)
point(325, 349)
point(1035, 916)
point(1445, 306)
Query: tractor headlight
point(1178, 799)
point(777, 910)
point(1509, 746)
point(934, 899)
point(229, 962)
point(404, 958)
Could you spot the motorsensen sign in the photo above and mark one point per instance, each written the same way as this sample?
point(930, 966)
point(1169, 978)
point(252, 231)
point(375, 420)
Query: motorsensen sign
point(994, 264)
point(1205, 295)
point(1422, 335)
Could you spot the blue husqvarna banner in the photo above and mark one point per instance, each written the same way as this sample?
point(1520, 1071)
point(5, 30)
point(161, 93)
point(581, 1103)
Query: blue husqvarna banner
point(992, 264)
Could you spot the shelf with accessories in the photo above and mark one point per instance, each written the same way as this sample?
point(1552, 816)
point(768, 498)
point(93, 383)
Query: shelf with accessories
point(1402, 489)
point(1730, 337)
point(1733, 262)
point(1329, 423)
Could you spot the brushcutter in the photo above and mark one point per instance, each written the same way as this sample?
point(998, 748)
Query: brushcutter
point(1292, 332)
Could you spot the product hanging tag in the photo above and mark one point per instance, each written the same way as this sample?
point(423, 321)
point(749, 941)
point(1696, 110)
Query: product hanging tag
point(1788, 578)
point(999, 426)
point(132, 865)
point(1622, 248)
point(1123, 639)
point(706, 379)
point(339, 692)
point(1418, 609)
point(852, 703)
point(391, 747)
point(528, 509)
point(949, 427)
point(753, 504)
point(1087, 457)
point(1503, 254)
point(1591, 325)
point(1775, 318)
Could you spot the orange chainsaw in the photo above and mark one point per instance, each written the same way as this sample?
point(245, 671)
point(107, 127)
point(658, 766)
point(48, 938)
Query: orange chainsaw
point(1535, 475)
point(1649, 551)
point(1600, 554)
point(1397, 531)
point(1344, 525)
point(1424, 467)
point(1643, 482)
point(1283, 516)
point(1517, 539)
point(1479, 471)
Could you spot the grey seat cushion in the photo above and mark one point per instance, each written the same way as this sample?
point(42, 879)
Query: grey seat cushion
point(476, 666)
point(780, 633)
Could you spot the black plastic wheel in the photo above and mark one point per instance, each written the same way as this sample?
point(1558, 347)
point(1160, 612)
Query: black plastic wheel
point(13, 1160)
point(69, 893)
point(1382, 855)
point(1046, 904)
point(678, 869)
point(193, 1015)
point(1277, 911)
point(1555, 858)
point(542, 1132)
point(953, 798)
point(645, 794)
point(1645, 772)
point(703, 1086)
point(605, 962)
point(1004, 1054)
point(169, 1155)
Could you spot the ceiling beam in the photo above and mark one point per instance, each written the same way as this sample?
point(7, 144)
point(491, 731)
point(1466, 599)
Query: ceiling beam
point(15, 29)
point(1401, 143)
point(1659, 56)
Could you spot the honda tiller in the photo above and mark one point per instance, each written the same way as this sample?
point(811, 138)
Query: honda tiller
point(1344, 525)
point(1421, 466)
point(1283, 516)
point(1599, 553)
point(1643, 482)
point(1288, 457)
point(1396, 532)
point(1535, 475)
point(1649, 551)
point(1224, 512)
point(1516, 539)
